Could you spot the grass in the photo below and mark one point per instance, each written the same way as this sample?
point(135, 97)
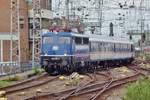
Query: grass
point(139, 90)
point(4, 83)
point(36, 71)
point(9, 80)
point(144, 56)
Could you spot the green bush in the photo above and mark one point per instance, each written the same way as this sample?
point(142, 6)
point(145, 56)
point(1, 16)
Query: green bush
point(37, 71)
point(139, 90)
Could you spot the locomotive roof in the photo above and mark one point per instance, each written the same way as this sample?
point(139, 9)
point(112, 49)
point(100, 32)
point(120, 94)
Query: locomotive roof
point(70, 34)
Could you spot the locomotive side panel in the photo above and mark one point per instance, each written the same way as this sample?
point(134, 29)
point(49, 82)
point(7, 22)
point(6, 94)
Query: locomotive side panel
point(81, 48)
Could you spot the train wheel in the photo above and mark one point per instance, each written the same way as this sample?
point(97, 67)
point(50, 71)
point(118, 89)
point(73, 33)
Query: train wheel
point(91, 68)
point(69, 69)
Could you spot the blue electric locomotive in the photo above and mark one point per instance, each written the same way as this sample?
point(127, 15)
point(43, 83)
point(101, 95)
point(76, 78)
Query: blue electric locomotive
point(58, 51)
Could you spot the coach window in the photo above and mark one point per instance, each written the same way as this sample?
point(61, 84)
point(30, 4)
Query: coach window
point(132, 47)
point(106, 46)
point(103, 49)
point(96, 46)
point(114, 46)
point(117, 47)
point(123, 47)
point(92, 46)
point(100, 46)
point(120, 49)
point(85, 41)
point(78, 40)
point(127, 47)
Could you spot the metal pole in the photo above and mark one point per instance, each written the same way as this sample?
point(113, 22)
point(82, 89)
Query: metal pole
point(101, 13)
point(11, 51)
point(67, 9)
point(1, 50)
point(37, 26)
point(100, 2)
point(33, 42)
point(33, 38)
point(19, 51)
point(2, 72)
point(142, 23)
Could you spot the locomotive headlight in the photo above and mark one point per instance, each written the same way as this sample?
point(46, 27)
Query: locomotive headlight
point(65, 54)
point(55, 48)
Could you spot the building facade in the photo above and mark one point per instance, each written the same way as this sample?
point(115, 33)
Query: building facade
point(26, 16)
point(5, 20)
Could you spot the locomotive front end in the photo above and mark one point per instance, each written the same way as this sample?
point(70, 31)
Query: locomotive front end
point(56, 53)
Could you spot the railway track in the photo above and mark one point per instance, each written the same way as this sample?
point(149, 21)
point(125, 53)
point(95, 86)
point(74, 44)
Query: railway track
point(101, 87)
point(64, 95)
point(137, 67)
point(112, 85)
point(29, 83)
point(92, 87)
point(24, 81)
point(93, 79)
point(96, 88)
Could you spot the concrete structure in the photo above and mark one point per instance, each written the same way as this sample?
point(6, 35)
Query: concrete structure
point(5, 30)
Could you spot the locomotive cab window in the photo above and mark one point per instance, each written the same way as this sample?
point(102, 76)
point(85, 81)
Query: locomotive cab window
point(64, 40)
point(78, 40)
point(47, 40)
point(85, 40)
